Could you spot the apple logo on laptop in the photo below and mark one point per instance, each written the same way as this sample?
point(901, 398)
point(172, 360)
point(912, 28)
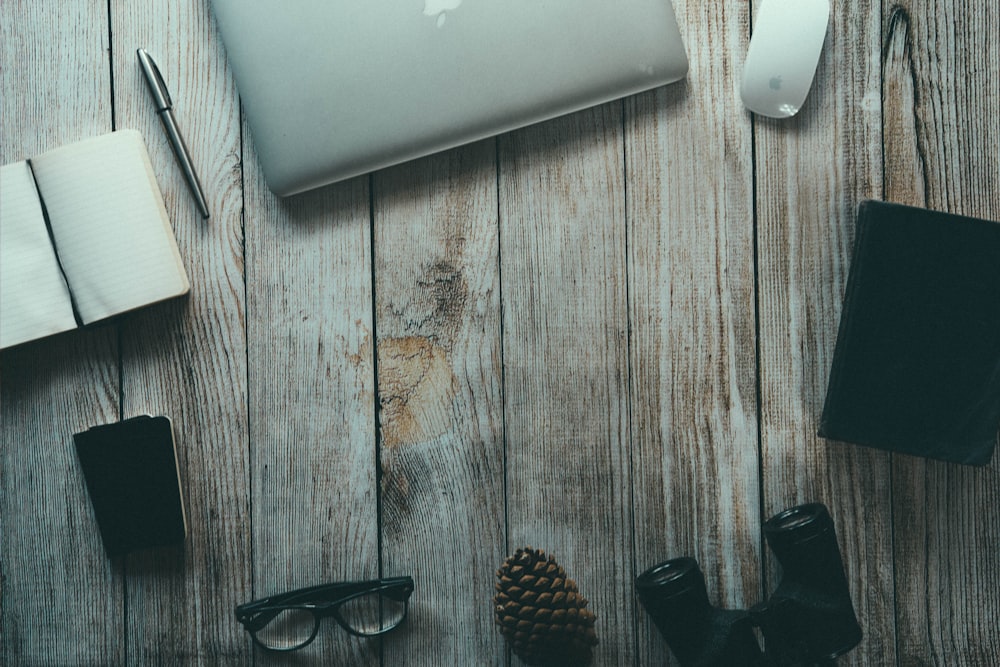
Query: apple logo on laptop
point(775, 82)
point(439, 7)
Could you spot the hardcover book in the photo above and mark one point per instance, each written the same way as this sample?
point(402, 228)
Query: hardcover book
point(916, 368)
point(84, 236)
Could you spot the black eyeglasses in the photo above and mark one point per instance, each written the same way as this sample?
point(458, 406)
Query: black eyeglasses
point(289, 621)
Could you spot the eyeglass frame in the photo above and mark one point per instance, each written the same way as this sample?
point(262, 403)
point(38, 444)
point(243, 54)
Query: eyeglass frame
point(323, 601)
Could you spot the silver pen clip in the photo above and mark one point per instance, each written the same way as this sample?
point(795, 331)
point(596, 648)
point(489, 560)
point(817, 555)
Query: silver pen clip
point(158, 89)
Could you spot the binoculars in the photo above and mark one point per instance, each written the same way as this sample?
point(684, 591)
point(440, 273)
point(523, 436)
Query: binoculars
point(808, 620)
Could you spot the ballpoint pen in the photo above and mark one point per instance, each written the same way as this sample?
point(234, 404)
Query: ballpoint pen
point(164, 109)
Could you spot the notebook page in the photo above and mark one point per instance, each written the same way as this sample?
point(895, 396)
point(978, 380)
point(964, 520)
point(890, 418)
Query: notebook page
point(110, 227)
point(34, 301)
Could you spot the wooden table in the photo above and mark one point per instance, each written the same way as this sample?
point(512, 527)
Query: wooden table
point(607, 336)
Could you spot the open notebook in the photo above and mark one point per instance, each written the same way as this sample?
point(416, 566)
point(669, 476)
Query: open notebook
point(84, 236)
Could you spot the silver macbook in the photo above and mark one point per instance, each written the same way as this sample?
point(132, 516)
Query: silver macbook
point(337, 88)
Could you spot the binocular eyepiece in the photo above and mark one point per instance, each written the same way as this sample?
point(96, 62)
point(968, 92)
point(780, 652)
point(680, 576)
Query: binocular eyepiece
point(809, 618)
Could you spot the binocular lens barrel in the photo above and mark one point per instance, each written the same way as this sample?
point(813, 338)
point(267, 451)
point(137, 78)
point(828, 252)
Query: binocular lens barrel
point(811, 610)
point(674, 594)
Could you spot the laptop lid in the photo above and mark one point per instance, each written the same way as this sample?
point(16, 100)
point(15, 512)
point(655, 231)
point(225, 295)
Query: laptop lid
point(336, 88)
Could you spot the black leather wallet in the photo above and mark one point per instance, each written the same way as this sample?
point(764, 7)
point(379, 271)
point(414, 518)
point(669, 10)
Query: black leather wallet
point(916, 368)
point(131, 472)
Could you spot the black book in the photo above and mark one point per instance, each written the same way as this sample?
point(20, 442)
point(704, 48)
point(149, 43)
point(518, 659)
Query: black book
point(916, 368)
point(131, 472)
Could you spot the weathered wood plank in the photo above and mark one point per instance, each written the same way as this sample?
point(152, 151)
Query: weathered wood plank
point(188, 359)
point(312, 396)
point(691, 297)
point(565, 350)
point(942, 129)
point(60, 596)
point(273, 383)
point(437, 290)
point(811, 171)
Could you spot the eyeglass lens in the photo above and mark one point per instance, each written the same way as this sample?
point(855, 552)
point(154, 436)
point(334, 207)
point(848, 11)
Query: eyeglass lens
point(290, 629)
point(373, 613)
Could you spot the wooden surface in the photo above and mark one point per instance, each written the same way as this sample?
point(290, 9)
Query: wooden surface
point(606, 336)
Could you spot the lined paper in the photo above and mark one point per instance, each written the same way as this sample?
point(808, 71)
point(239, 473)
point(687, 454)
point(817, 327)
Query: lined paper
point(110, 227)
point(34, 299)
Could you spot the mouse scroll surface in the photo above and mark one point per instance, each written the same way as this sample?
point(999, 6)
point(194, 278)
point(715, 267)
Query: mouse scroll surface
point(784, 50)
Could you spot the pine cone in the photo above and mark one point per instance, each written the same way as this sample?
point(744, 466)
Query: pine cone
point(540, 612)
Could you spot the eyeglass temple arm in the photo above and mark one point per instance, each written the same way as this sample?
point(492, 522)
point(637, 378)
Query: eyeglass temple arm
point(396, 587)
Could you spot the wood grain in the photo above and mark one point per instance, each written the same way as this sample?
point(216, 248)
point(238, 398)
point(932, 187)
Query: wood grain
point(570, 327)
point(565, 348)
point(942, 129)
point(60, 596)
point(811, 172)
point(188, 359)
point(437, 296)
point(691, 297)
point(312, 396)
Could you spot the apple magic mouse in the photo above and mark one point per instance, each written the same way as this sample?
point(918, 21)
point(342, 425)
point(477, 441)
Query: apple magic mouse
point(784, 50)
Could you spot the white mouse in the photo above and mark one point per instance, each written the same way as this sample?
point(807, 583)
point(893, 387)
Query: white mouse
point(784, 50)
